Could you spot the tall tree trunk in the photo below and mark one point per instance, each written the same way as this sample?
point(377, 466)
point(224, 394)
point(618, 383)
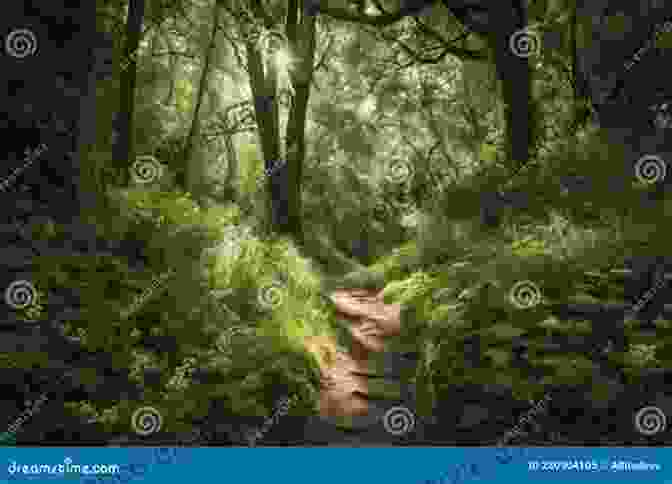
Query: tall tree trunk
point(264, 90)
point(231, 166)
point(514, 72)
point(301, 36)
point(122, 150)
point(91, 191)
point(195, 170)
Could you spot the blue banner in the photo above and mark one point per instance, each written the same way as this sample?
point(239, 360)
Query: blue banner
point(395, 465)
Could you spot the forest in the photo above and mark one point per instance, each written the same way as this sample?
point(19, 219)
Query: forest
point(336, 222)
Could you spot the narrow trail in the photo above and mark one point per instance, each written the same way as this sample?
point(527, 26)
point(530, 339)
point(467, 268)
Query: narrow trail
point(347, 380)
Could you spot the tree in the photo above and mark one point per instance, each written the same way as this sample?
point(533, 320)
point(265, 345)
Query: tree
point(277, 56)
point(122, 151)
point(499, 22)
point(193, 171)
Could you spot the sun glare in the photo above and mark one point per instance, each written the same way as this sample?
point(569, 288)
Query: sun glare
point(283, 60)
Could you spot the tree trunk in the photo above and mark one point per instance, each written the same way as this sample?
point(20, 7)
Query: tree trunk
point(231, 166)
point(122, 150)
point(193, 169)
point(264, 90)
point(301, 36)
point(514, 72)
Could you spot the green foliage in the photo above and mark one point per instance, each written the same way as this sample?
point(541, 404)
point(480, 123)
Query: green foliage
point(177, 296)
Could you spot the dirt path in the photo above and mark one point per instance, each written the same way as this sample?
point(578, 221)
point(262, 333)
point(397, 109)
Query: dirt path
point(345, 386)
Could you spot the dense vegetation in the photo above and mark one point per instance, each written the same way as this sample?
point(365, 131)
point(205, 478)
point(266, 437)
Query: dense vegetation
point(255, 154)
